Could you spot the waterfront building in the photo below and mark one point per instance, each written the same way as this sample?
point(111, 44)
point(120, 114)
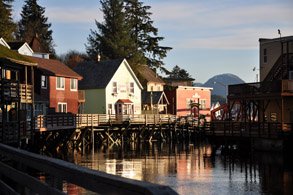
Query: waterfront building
point(16, 97)
point(154, 100)
point(56, 87)
point(271, 99)
point(111, 87)
point(189, 101)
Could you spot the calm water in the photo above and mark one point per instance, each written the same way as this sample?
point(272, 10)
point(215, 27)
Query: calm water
point(194, 168)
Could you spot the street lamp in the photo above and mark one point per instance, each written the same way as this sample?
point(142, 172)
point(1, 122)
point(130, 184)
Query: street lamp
point(226, 88)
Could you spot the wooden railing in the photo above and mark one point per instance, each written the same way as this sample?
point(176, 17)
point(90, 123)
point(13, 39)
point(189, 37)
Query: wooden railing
point(14, 177)
point(57, 122)
point(25, 93)
point(245, 129)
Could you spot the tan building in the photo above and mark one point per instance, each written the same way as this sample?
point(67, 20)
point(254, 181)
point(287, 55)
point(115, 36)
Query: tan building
point(271, 100)
point(274, 51)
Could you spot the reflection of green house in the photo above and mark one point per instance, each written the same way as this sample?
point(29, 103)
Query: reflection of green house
point(111, 87)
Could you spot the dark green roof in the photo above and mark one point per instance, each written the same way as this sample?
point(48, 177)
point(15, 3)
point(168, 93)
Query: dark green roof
point(14, 57)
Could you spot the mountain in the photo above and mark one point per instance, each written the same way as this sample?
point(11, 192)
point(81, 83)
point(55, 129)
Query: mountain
point(220, 83)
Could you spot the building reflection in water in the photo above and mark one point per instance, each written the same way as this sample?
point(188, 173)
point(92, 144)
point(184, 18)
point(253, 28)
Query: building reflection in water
point(194, 168)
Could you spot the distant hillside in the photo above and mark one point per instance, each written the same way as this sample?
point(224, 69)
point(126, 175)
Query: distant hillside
point(219, 83)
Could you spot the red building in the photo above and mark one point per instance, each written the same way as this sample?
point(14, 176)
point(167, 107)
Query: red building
point(56, 87)
point(189, 101)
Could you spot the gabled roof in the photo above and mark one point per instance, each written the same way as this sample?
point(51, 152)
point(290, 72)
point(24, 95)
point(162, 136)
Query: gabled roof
point(55, 68)
point(4, 43)
point(36, 45)
point(156, 96)
point(146, 75)
point(98, 75)
point(14, 57)
point(16, 45)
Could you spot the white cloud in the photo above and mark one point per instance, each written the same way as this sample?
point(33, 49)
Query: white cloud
point(74, 14)
point(193, 25)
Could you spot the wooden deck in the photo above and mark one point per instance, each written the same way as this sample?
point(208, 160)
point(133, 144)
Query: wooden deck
point(57, 122)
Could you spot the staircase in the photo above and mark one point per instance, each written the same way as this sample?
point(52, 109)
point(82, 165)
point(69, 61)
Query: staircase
point(279, 70)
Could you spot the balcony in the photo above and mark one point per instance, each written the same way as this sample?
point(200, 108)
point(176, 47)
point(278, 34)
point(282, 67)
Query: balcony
point(262, 89)
point(26, 93)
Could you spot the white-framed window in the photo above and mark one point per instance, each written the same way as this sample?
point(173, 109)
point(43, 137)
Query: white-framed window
point(114, 89)
point(73, 84)
point(62, 107)
point(60, 83)
point(44, 82)
point(131, 87)
point(202, 103)
point(188, 103)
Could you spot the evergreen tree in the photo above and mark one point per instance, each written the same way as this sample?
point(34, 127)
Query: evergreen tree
point(7, 26)
point(144, 33)
point(33, 23)
point(113, 38)
point(178, 73)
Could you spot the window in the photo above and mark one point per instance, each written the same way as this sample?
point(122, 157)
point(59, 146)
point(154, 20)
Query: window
point(265, 57)
point(73, 84)
point(202, 104)
point(114, 90)
point(131, 87)
point(44, 82)
point(60, 83)
point(62, 107)
point(188, 103)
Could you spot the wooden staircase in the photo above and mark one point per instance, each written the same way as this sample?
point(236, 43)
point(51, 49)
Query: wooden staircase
point(278, 71)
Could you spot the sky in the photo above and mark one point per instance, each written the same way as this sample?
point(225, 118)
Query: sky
point(208, 37)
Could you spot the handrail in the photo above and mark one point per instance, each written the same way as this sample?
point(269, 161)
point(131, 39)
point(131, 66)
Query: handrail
point(93, 180)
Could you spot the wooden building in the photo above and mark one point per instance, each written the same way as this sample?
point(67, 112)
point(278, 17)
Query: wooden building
point(111, 87)
point(271, 99)
point(189, 101)
point(154, 100)
point(56, 87)
point(16, 96)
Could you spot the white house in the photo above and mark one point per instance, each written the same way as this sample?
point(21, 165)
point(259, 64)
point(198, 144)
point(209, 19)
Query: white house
point(111, 87)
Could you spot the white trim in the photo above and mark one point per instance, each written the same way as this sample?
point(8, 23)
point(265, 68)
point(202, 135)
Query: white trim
point(60, 88)
point(4, 43)
point(132, 73)
point(46, 81)
point(61, 103)
point(75, 80)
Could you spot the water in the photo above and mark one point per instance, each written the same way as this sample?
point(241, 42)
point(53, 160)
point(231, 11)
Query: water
point(195, 168)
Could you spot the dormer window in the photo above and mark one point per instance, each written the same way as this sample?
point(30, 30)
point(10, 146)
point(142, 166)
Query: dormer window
point(44, 82)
